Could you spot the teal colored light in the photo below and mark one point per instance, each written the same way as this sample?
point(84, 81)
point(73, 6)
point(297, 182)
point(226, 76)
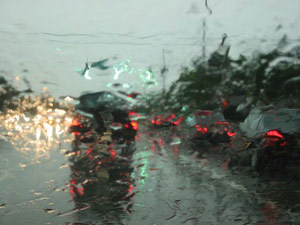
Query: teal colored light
point(189, 118)
point(131, 71)
point(117, 73)
point(144, 173)
point(184, 108)
point(147, 77)
point(77, 69)
point(109, 85)
point(86, 75)
point(122, 67)
point(143, 170)
point(58, 49)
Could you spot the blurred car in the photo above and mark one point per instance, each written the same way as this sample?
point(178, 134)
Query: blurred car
point(104, 110)
point(101, 173)
point(276, 137)
point(210, 126)
point(105, 100)
point(160, 121)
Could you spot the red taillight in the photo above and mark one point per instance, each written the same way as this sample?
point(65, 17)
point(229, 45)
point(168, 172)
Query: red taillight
point(167, 119)
point(72, 183)
point(153, 121)
point(126, 126)
point(80, 191)
point(76, 133)
point(172, 116)
point(131, 113)
point(89, 151)
point(73, 187)
point(274, 133)
point(272, 137)
point(231, 134)
point(134, 125)
point(158, 122)
point(203, 130)
point(178, 121)
point(113, 154)
point(283, 144)
point(130, 188)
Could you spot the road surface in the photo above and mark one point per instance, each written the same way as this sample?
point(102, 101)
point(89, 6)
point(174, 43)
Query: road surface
point(171, 186)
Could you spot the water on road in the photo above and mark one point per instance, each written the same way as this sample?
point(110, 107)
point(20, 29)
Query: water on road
point(169, 186)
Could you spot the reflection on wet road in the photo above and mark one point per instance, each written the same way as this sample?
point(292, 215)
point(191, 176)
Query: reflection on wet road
point(169, 186)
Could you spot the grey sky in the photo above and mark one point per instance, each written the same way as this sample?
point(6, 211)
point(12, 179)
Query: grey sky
point(52, 38)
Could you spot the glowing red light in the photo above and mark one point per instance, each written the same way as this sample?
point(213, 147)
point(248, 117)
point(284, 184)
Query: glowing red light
point(72, 191)
point(126, 126)
point(89, 151)
point(203, 130)
point(222, 122)
point(225, 104)
point(72, 183)
point(113, 154)
point(76, 133)
point(167, 118)
point(283, 144)
point(134, 125)
point(80, 191)
point(131, 113)
point(172, 116)
point(274, 133)
point(130, 188)
point(75, 123)
point(153, 121)
point(158, 122)
point(231, 134)
point(203, 113)
point(178, 121)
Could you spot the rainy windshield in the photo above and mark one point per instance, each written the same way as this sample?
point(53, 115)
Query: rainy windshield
point(149, 112)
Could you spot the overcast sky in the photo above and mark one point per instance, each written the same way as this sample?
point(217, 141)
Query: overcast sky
point(51, 39)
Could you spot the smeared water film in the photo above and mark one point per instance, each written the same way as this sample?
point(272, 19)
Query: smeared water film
point(174, 112)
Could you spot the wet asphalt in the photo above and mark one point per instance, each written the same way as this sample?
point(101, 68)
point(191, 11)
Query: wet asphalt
point(170, 186)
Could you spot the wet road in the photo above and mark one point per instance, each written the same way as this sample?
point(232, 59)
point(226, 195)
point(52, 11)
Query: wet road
point(170, 187)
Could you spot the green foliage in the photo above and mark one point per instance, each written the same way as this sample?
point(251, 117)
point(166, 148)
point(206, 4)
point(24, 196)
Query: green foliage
point(266, 77)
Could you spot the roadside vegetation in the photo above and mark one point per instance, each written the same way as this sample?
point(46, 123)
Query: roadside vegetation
point(234, 86)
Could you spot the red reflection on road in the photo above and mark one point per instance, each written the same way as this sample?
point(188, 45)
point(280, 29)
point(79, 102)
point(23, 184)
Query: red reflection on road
point(74, 189)
point(271, 214)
